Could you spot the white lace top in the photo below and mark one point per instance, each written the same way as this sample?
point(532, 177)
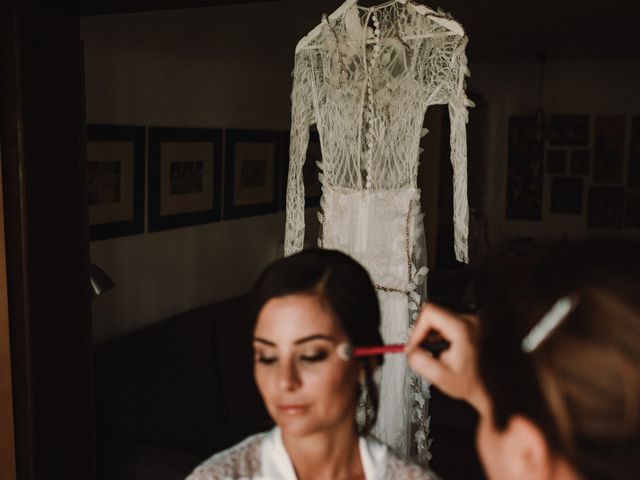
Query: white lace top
point(365, 77)
point(264, 456)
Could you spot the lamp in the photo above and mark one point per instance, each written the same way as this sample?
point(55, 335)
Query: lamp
point(540, 120)
point(99, 280)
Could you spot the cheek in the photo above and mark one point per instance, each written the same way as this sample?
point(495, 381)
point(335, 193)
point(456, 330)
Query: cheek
point(337, 383)
point(331, 380)
point(263, 381)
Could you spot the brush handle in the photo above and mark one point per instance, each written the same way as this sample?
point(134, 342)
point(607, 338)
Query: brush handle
point(434, 345)
point(377, 350)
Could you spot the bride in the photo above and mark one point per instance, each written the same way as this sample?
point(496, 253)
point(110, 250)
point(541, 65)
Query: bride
point(305, 307)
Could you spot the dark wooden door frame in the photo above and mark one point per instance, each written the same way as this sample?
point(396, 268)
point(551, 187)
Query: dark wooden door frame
point(46, 238)
point(7, 441)
point(46, 232)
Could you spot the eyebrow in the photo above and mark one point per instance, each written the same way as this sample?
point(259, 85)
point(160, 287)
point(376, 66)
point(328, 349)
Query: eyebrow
point(317, 336)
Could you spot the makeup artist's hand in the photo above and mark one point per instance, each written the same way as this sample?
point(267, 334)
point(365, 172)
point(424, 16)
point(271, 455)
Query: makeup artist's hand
point(455, 371)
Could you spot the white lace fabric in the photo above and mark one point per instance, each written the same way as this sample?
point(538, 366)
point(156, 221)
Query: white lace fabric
point(365, 77)
point(382, 229)
point(264, 457)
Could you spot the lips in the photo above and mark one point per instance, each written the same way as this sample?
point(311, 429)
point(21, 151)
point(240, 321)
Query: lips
point(293, 408)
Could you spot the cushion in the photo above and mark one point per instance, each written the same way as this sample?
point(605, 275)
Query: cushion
point(160, 385)
point(234, 350)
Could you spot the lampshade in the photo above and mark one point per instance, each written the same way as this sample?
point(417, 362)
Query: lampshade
point(100, 281)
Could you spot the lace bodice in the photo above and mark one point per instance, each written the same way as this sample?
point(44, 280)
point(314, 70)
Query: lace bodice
point(365, 77)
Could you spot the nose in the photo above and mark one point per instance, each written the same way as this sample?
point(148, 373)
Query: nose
point(288, 377)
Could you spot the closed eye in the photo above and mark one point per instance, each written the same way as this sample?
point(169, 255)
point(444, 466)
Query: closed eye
point(315, 357)
point(266, 360)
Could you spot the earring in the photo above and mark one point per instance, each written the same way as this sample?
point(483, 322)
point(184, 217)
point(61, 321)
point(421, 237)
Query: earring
point(366, 410)
point(362, 409)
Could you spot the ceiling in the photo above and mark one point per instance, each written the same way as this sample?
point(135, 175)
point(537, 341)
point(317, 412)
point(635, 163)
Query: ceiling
point(499, 31)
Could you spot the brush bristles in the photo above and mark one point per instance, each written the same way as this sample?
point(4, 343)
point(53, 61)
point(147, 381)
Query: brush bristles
point(344, 351)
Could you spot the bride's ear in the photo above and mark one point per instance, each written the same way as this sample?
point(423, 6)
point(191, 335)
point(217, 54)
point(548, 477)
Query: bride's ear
point(527, 450)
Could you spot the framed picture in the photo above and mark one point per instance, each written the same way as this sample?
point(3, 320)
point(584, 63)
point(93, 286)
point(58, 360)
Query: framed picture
point(115, 180)
point(580, 161)
point(634, 154)
point(185, 179)
point(632, 209)
point(556, 161)
point(605, 207)
point(569, 130)
point(252, 172)
point(310, 171)
point(608, 148)
point(524, 170)
point(566, 195)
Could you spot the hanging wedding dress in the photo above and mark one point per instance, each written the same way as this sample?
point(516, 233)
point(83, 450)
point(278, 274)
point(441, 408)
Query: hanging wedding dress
point(366, 76)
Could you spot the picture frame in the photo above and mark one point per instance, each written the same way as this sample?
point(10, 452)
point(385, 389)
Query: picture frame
point(524, 170)
point(115, 159)
point(569, 130)
point(310, 171)
point(633, 176)
point(632, 209)
point(556, 161)
point(252, 172)
point(608, 148)
point(580, 160)
point(566, 195)
point(605, 208)
point(185, 177)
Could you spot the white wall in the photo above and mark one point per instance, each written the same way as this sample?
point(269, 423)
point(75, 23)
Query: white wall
point(224, 67)
point(593, 88)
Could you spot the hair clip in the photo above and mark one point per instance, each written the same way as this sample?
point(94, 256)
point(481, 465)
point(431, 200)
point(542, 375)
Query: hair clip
point(548, 323)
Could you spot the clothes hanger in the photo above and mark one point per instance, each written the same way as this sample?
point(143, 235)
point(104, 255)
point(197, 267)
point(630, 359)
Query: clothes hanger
point(439, 18)
point(313, 34)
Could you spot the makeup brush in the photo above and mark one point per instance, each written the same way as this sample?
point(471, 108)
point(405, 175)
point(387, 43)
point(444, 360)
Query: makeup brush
point(433, 343)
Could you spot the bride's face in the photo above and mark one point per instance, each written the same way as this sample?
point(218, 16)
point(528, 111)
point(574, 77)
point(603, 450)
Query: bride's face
point(305, 385)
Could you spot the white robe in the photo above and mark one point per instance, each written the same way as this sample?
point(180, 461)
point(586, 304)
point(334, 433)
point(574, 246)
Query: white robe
point(264, 457)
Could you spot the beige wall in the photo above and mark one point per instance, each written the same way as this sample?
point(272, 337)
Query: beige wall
point(224, 67)
point(569, 88)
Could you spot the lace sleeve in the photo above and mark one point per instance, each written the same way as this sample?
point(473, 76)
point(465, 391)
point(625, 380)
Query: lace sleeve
point(459, 117)
point(398, 467)
point(240, 461)
point(301, 118)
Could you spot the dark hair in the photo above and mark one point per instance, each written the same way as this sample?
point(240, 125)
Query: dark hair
point(343, 285)
point(581, 386)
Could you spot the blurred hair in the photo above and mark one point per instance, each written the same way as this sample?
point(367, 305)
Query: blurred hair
point(340, 283)
point(581, 386)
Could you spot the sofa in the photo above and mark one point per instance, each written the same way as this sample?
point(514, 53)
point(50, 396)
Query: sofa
point(171, 394)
